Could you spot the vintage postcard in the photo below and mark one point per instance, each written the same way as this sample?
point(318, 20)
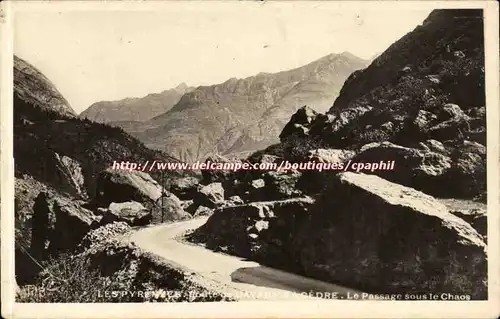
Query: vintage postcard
point(223, 159)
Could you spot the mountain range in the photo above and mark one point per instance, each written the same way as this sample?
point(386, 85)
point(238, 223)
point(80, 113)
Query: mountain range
point(234, 118)
point(135, 109)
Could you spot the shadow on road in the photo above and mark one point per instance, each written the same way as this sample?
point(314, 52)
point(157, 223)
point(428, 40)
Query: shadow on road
point(278, 279)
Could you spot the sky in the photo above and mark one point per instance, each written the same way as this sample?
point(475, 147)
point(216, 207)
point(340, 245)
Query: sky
point(104, 53)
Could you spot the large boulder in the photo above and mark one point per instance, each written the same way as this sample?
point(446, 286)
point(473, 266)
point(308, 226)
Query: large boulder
point(132, 213)
point(184, 187)
point(72, 223)
point(211, 195)
point(299, 123)
point(433, 146)
point(281, 185)
point(168, 208)
point(322, 155)
point(369, 233)
point(259, 230)
point(121, 186)
point(42, 225)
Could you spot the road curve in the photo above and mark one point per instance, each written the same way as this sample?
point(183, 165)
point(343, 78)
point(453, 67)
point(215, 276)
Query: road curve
point(237, 277)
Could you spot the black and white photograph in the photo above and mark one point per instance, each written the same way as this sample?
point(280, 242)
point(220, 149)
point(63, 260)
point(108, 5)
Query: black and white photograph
point(217, 152)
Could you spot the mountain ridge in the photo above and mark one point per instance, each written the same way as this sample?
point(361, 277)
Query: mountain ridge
point(135, 108)
point(242, 115)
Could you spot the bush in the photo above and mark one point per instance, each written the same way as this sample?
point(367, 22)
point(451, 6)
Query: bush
point(66, 278)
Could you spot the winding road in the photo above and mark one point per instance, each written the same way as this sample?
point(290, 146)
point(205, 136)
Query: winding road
point(236, 277)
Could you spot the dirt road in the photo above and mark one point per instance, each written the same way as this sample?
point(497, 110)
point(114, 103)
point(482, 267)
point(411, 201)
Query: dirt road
point(237, 277)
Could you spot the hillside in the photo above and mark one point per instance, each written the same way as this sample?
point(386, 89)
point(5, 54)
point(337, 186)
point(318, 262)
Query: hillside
point(240, 116)
point(31, 86)
point(57, 152)
point(424, 93)
point(414, 228)
point(135, 109)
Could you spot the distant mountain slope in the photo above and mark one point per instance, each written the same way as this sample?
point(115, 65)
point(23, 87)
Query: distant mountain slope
point(135, 109)
point(32, 86)
point(240, 116)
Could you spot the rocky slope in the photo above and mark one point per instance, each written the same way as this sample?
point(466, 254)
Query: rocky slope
point(130, 110)
point(424, 99)
point(60, 155)
point(421, 104)
point(242, 115)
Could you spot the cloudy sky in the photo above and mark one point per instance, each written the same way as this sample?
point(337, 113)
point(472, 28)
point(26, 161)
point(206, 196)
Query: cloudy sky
point(109, 53)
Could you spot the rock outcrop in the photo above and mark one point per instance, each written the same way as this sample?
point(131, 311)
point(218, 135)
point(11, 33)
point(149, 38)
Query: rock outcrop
point(168, 208)
point(42, 225)
point(58, 225)
point(261, 230)
point(132, 213)
point(412, 93)
point(185, 187)
point(122, 186)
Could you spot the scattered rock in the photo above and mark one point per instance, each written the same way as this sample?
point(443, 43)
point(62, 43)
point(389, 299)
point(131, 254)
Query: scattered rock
point(340, 119)
point(330, 155)
point(452, 129)
point(99, 236)
point(433, 78)
point(258, 183)
point(280, 185)
point(450, 111)
point(202, 211)
point(186, 203)
point(477, 112)
point(468, 173)
point(423, 120)
point(476, 217)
